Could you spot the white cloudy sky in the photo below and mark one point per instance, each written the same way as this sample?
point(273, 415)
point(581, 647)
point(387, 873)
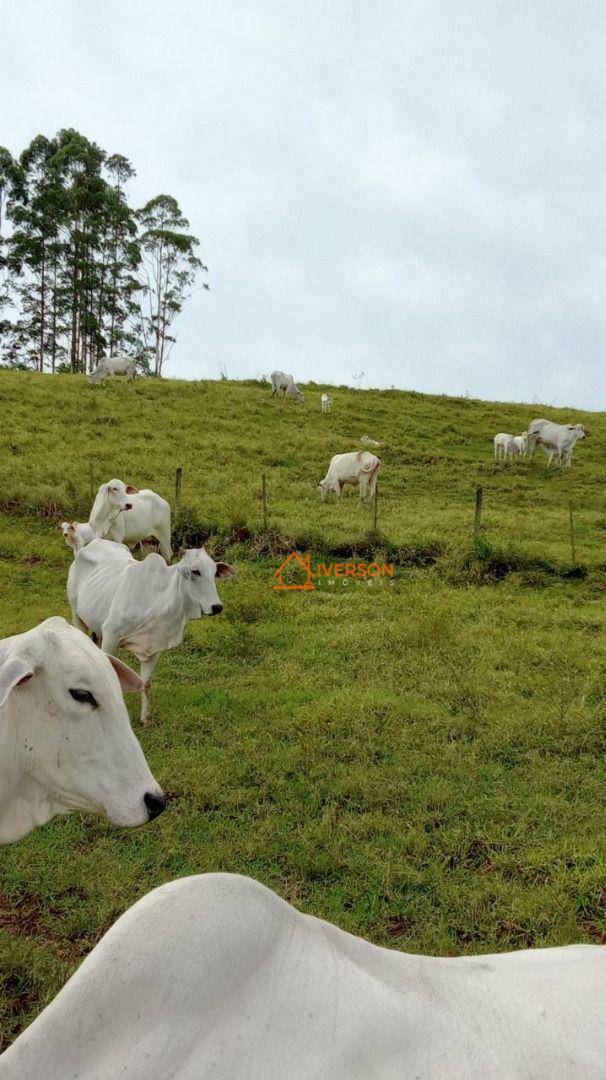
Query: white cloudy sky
point(415, 190)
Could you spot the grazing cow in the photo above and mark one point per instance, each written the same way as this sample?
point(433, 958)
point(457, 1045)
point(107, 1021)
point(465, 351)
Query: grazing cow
point(281, 381)
point(109, 366)
point(360, 467)
point(142, 606)
point(326, 403)
point(214, 977)
point(76, 534)
point(504, 446)
point(557, 440)
point(65, 738)
point(521, 444)
point(122, 513)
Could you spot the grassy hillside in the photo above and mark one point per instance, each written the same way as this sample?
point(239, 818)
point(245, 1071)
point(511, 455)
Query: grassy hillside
point(420, 761)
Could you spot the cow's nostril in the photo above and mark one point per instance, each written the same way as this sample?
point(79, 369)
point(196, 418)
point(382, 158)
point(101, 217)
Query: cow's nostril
point(217, 609)
point(155, 804)
point(128, 506)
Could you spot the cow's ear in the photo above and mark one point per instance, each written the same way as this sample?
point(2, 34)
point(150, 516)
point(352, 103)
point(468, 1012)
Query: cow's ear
point(130, 682)
point(14, 672)
point(130, 490)
point(224, 570)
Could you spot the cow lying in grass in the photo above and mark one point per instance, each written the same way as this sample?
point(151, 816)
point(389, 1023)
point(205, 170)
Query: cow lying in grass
point(65, 738)
point(141, 606)
point(216, 978)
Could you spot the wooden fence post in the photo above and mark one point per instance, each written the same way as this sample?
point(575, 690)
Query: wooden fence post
point(477, 529)
point(264, 498)
point(178, 479)
point(571, 519)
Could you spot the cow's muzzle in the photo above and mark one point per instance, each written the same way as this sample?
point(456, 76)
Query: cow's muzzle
point(155, 804)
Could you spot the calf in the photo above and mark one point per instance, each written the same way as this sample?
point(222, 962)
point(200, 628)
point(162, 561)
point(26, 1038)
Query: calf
point(142, 606)
point(76, 534)
point(504, 446)
point(65, 738)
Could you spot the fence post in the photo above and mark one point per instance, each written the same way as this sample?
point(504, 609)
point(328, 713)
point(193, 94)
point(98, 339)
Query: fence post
point(571, 519)
point(376, 500)
point(477, 529)
point(178, 479)
point(264, 498)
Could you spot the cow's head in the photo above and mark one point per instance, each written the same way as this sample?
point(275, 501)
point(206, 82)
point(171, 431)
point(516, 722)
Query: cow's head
point(578, 430)
point(200, 574)
point(117, 494)
point(69, 534)
point(71, 745)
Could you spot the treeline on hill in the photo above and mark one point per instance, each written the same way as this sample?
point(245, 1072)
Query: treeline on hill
point(82, 273)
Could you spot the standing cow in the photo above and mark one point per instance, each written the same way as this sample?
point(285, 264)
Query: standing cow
point(281, 381)
point(360, 467)
point(326, 403)
point(141, 606)
point(109, 366)
point(557, 440)
point(122, 513)
point(65, 738)
point(504, 446)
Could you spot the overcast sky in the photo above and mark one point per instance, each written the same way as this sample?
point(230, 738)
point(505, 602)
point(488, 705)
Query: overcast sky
point(412, 190)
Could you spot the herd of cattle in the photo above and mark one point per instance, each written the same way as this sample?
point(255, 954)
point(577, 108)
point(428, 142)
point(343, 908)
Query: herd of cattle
point(557, 440)
point(214, 976)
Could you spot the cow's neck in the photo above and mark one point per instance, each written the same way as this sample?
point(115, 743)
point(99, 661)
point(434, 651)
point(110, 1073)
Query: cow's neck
point(186, 607)
point(102, 523)
point(23, 803)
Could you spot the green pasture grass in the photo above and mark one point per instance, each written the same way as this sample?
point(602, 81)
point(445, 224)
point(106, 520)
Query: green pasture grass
point(420, 760)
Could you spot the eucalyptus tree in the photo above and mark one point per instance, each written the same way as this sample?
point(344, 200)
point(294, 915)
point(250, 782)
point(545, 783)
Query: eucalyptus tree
point(169, 267)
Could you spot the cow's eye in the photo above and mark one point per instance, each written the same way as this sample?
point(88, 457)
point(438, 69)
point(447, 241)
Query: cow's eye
point(84, 697)
point(196, 573)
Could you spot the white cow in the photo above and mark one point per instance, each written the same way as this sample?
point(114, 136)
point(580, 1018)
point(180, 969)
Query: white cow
point(215, 977)
point(521, 444)
point(142, 606)
point(76, 534)
point(557, 440)
point(368, 441)
point(122, 513)
point(281, 381)
point(65, 738)
point(109, 366)
point(504, 446)
point(360, 467)
point(326, 403)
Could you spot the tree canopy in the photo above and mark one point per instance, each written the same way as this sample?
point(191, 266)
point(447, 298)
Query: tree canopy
point(83, 274)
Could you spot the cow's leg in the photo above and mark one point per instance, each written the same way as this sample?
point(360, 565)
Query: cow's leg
point(165, 548)
point(77, 621)
point(148, 667)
